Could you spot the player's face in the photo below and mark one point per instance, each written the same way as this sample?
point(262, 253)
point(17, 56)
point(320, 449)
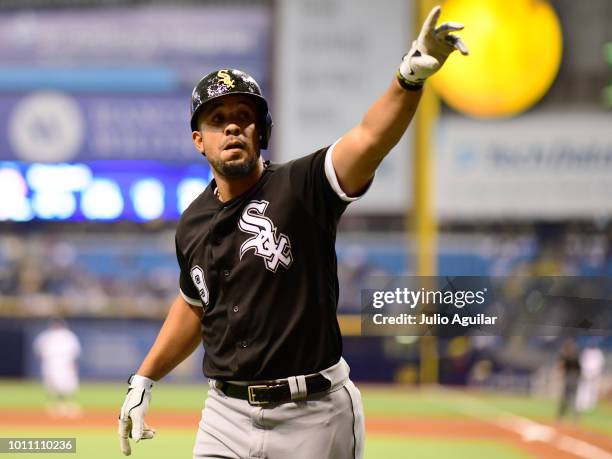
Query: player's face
point(228, 135)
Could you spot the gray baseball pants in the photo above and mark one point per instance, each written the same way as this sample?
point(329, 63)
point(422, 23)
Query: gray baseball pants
point(323, 426)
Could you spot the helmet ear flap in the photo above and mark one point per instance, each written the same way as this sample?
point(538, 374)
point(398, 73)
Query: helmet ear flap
point(264, 137)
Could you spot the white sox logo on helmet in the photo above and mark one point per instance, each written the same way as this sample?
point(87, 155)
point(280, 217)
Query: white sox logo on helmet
point(274, 249)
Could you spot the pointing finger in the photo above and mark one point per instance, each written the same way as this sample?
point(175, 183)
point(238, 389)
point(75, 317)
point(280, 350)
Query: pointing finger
point(124, 443)
point(430, 23)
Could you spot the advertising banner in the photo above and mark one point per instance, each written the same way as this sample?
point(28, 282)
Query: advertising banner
point(90, 84)
point(538, 166)
point(334, 59)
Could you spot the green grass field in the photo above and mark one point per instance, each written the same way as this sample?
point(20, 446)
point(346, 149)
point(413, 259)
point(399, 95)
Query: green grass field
point(380, 402)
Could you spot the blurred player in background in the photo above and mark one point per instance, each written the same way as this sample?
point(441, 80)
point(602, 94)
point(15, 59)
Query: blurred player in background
point(569, 363)
point(58, 349)
point(258, 282)
point(592, 362)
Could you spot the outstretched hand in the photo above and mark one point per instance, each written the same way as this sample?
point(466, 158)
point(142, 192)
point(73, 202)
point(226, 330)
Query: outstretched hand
point(431, 49)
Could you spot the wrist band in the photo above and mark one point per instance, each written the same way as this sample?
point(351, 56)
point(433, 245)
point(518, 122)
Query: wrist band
point(407, 85)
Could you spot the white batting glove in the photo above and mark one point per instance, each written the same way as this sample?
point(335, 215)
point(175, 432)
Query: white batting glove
point(430, 50)
point(131, 418)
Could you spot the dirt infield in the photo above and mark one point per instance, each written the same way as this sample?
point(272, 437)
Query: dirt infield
point(543, 441)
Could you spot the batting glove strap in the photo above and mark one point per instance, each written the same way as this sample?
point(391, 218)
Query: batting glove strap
point(406, 84)
point(135, 381)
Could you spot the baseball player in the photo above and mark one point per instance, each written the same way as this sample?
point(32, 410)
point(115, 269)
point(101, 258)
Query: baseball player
point(58, 349)
point(258, 281)
point(592, 363)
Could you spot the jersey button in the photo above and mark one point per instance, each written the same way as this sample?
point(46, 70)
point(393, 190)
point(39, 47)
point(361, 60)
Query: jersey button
point(235, 309)
point(226, 272)
point(244, 344)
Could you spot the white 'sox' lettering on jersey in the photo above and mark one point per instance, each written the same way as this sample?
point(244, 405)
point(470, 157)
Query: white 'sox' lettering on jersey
point(273, 249)
point(197, 275)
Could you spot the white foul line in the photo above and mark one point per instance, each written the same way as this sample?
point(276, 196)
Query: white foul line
point(530, 430)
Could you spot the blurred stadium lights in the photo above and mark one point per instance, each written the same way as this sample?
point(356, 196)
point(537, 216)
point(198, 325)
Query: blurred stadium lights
point(187, 190)
point(61, 177)
point(76, 191)
point(53, 204)
point(148, 198)
point(13, 188)
point(102, 200)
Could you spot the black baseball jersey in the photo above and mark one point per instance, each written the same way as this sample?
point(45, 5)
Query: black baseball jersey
point(263, 266)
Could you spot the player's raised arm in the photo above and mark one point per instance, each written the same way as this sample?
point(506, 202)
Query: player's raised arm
point(179, 336)
point(357, 155)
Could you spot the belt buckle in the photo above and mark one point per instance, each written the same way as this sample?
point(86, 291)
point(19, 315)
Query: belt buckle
point(252, 400)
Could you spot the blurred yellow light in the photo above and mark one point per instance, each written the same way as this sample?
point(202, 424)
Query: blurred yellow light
point(515, 53)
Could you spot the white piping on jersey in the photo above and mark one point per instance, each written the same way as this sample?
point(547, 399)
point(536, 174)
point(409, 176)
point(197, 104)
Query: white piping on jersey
point(191, 301)
point(330, 173)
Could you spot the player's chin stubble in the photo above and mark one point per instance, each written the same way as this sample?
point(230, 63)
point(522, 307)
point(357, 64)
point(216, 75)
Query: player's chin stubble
point(235, 169)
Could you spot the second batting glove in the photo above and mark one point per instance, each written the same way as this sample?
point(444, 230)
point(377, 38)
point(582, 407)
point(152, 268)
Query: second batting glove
point(131, 418)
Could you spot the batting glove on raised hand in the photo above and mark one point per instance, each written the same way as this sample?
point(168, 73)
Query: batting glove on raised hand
point(131, 418)
point(430, 50)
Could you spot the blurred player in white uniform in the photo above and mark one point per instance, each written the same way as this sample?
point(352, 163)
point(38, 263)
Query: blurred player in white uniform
point(58, 349)
point(592, 363)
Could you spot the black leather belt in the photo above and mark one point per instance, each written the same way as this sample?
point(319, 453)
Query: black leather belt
point(273, 392)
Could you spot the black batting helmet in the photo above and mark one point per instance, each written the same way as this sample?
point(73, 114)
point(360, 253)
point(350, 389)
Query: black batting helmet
point(230, 81)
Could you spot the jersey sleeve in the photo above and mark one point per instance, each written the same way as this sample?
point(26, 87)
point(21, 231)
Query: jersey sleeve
point(314, 181)
point(186, 288)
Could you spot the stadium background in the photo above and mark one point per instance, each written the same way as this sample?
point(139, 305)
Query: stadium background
point(88, 207)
